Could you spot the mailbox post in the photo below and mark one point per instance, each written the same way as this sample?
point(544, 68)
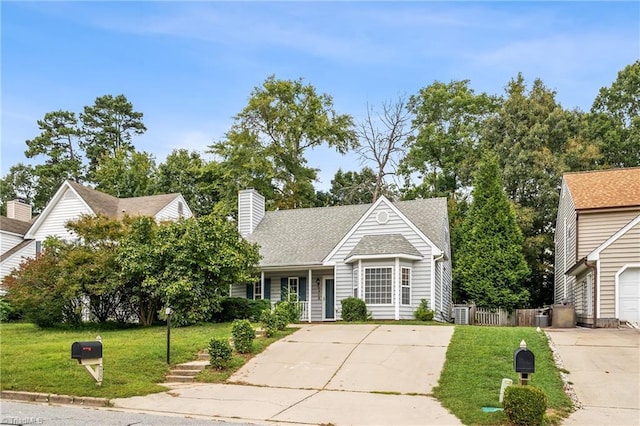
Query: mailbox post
point(88, 354)
point(524, 362)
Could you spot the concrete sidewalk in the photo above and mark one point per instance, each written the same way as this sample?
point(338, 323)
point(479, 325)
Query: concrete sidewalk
point(339, 374)
point(604, 367)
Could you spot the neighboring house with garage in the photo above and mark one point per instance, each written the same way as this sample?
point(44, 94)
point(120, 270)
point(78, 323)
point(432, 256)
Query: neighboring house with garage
point(71, 201)
point(390, 254)
point(597, 246)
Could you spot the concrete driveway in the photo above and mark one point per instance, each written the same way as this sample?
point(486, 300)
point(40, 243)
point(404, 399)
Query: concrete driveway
point(329, 373)
point(604, 367)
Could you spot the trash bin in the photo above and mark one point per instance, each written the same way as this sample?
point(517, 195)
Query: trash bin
point(542, 320)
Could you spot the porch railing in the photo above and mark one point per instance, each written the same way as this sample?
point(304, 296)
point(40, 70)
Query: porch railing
point(303, 308)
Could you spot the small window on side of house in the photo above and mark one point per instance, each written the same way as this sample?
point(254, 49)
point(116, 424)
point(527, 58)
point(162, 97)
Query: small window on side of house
point(180, 209)
point(356, 282)
point(406, 286)
point(257, 290)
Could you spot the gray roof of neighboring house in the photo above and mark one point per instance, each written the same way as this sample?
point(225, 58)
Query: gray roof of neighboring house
point(384, 244)
point(109, 205)
point(14, 226)
point(307, 236)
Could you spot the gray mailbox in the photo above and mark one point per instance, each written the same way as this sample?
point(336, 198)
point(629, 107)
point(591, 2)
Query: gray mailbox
point(524, 362)
point(88, 354)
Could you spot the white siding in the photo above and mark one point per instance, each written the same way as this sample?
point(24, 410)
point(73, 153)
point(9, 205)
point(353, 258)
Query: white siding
point(8, 241)
point(171, 211)
point(70, 207)
point(421, 270)
point(17, 258)
point(250, 211)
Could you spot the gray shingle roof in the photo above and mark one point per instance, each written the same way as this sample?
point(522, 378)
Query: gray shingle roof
point(14, 226)
point(384, 244)
point(109, 205)
point(307, 236)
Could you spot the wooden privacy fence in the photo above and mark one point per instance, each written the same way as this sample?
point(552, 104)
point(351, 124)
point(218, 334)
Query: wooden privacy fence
point(500, 317)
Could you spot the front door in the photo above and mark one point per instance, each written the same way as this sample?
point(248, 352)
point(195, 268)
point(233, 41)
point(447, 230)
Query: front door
point(328, 300)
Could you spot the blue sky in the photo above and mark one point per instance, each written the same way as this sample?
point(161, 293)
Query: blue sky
point(190, 66)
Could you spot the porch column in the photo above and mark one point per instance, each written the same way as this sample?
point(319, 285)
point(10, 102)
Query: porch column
point(397, 288)
point(309, 284)
point(262, 284)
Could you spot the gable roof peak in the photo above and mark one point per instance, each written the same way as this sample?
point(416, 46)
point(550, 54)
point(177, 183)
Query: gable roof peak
point(604, 188)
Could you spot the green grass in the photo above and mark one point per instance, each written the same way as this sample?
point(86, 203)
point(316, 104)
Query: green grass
point(478, 358)
point(39, 360)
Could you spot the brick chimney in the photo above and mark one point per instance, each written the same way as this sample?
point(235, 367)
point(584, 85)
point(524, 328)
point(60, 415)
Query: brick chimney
point(250, 210)
point(18, 209)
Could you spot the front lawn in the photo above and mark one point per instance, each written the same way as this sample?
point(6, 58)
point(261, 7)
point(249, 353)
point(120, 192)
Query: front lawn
point(478, 358)
point(39, 360)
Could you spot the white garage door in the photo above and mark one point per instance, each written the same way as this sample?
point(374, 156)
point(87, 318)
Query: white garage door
point(629, 295)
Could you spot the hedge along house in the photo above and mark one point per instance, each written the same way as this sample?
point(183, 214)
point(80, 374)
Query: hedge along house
point(391, 255)
point(597, 246)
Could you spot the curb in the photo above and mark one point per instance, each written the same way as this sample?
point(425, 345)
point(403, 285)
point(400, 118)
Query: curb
point(54, 399)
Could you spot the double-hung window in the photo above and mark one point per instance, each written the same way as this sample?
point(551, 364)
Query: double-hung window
point(356, 281)
point(406, 286)
point(257, 290)
point(293, 288)
point(378, 286)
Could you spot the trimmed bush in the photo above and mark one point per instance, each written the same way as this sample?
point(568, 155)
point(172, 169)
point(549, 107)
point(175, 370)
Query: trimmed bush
point(243, 335)
point(269, 322)
point(423, 313)
point(525, 405)
point(353, 309)
point(233, 308)
point(220, 352)
point(256, 307)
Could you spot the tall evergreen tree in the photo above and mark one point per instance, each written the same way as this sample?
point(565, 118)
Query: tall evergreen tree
point(490, 266)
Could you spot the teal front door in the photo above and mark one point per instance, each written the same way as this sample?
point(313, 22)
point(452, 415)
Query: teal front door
point(329, 300)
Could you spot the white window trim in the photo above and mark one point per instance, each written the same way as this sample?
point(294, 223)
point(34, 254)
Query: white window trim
point(256, 286)
point(409, 286)
point(364, 285)
point(290, 280)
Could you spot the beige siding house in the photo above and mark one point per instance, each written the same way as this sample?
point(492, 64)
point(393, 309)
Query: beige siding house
point(597, 246)
point(390, 254)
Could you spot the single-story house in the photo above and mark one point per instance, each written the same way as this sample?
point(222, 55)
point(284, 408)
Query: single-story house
point(390, 254)
point(597, 246)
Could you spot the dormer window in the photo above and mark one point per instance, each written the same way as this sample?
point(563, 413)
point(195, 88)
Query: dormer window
point(180, 209)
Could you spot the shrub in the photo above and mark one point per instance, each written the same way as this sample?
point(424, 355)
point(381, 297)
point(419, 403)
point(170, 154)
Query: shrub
point(423, 313)
point(6, 310)
point(256, 307)
point(287, 313)
point(269, 322)
point(525, 405)
point(243, 335)
point(220, 352)
point(353, 309)
point(234, 308)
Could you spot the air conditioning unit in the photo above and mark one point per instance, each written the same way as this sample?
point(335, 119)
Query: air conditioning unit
point(461, 315)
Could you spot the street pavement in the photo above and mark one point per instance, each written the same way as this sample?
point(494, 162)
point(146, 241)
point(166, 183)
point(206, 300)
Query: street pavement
point(604, 368)
point(325, 374)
